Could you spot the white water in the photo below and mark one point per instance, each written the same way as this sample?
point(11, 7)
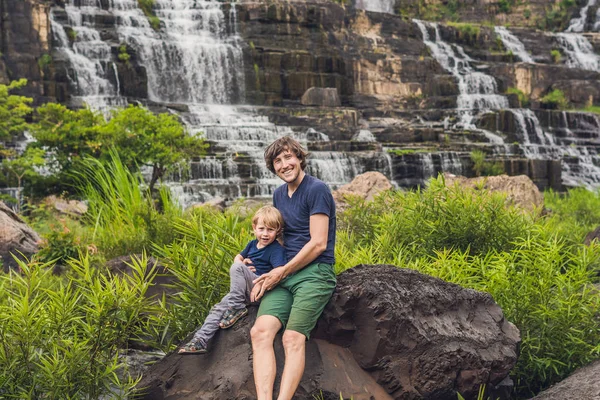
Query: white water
point(90, 58)
point(578, 24)
point(382, 6)
point(512, 43)
point(579, 51)
point(477, 90)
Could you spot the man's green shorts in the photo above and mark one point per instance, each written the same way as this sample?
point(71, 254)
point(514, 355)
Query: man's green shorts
point(300, 298)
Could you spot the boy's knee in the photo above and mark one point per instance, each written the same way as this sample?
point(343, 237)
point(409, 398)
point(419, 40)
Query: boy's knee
point(236, 267)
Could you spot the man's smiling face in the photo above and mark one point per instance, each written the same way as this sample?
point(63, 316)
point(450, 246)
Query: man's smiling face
point(287, 166)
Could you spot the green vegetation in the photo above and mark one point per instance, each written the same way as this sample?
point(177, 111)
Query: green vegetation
point(592, 109)
point(14, 110)
point(431, 11)
point(481, 167)
point(556, 56)
point(69, 328)
point(505, 6)
point(123, 54)
point(541, 279)
point(557, 16)
point(44, 61)
point(146, 6)
point(401, 152)
point(72, 34)
point(555, 100)
point(143, 138)
point(467, 32)
point(523, 98)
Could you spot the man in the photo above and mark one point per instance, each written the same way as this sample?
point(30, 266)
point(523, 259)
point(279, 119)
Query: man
point(294, 295)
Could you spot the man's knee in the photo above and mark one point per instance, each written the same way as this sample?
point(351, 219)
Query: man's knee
point(264, 330)
point(293, 341)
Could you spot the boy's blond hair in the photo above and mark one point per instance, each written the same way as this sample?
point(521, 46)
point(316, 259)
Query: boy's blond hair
point(272, 218)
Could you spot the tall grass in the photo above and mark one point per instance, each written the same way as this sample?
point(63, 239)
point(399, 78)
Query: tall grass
point(124, 216)
point(200, 260)
point(60, 337)
point(542, 281)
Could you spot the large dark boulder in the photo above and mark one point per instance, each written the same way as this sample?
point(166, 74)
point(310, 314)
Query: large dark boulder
point(387, 333)
point(581, 384)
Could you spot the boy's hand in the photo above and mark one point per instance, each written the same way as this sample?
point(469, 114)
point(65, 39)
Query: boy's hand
point(248, 262)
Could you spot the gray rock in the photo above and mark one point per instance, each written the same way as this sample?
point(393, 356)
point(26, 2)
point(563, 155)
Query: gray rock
point(15, 237)
point(582, 384)
point(324, 97)
point(387, 333)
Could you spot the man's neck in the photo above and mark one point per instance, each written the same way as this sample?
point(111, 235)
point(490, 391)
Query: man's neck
point(293, 186)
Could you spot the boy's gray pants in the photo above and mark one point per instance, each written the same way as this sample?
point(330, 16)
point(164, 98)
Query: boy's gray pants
point(238, 296)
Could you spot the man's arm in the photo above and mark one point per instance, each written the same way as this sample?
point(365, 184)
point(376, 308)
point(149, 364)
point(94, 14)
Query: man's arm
point(319, 230)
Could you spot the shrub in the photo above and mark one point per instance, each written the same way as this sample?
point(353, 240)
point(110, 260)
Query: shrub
point(44, 61)
point(523, 98)
point(556, 55)
point(481, 167)
point(555, 100)
point(61, 335)
point(117, 199)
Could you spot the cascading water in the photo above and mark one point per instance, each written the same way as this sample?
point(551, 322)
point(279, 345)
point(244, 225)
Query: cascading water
point(512, 43)
point(93, 74)
point(382, 6)
point(195, 60)
point(477, 90)
point(579, 51)
point(578, 24)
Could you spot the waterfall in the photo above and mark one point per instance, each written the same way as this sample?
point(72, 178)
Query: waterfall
point(381, 6)
point(579, 51)
point(92, 70)
point(477, 90)
point(578, 24)
point(512, 43)
point(194, 60)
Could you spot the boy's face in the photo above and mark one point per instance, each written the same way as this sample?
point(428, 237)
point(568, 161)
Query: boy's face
point(264, 234)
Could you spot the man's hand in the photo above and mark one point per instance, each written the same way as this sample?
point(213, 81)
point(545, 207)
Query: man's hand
point(255, 294)
point(268, 281)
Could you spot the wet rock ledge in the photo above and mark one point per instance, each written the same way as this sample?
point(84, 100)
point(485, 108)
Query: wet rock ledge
point(387, 333)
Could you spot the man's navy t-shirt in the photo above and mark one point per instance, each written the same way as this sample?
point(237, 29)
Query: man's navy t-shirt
point(311, 197)
point(265, 259)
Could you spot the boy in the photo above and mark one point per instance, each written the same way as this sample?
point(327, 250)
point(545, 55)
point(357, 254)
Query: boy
point(260, 256)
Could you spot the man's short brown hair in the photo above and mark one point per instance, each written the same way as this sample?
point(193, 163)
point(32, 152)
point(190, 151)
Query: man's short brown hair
point(285, 143)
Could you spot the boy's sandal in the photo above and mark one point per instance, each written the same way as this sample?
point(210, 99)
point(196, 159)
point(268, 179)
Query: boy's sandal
point(193, 347)
point(232, 316)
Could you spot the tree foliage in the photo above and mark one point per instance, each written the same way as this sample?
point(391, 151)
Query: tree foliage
point(141, 138)
point(13, 110)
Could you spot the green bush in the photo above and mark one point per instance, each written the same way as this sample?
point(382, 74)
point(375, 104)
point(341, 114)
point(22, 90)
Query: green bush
point(556, 56)
point(555, 100)
point(117, 198)
point(523, 98)
point(437, 218)
point(61, 336)
point(481, 167)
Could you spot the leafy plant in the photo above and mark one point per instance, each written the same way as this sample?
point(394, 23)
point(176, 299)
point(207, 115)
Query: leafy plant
point(44, 61)
point(555, 100)
point(61, 335)
point(523, 98)
point(556, 55)
point(481, 167)
point(14, 110)
point(123, 54)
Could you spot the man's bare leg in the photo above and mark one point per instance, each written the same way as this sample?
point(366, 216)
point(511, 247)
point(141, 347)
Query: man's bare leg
point(263, 361)
point(294, 345)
